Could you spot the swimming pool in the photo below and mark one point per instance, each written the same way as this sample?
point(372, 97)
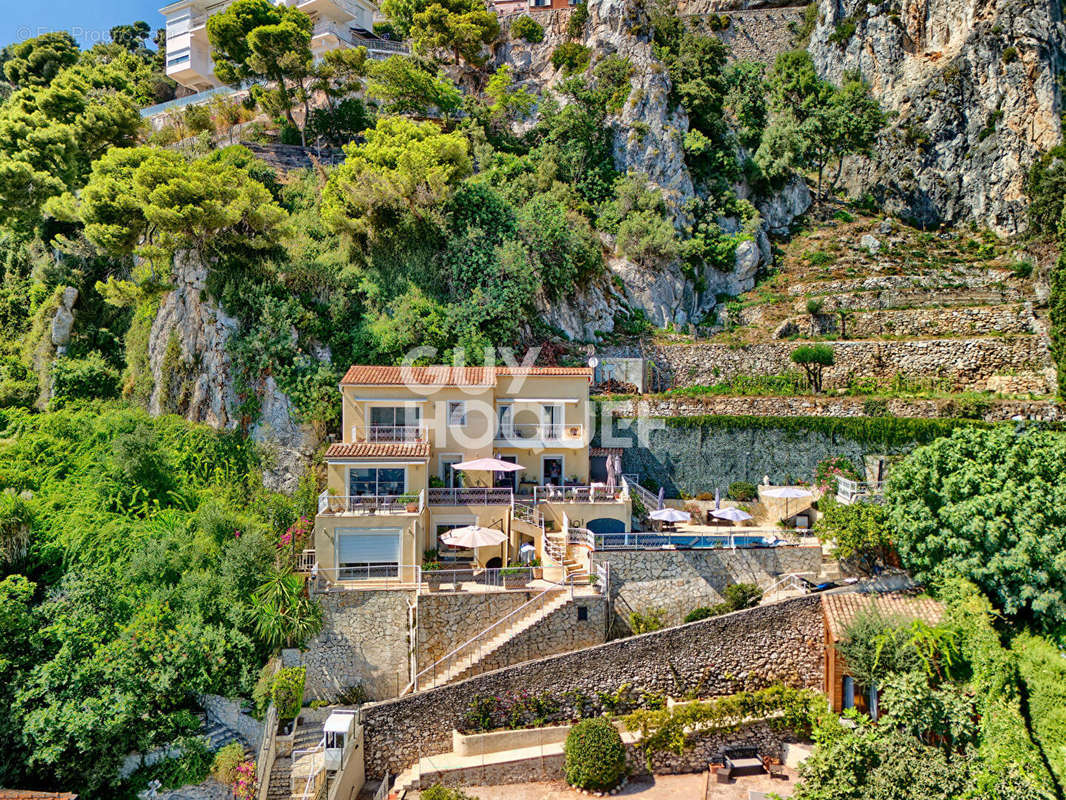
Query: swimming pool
point(683, 541)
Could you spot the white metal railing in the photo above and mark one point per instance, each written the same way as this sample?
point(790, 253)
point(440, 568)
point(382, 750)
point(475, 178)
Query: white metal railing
point(793, 580)
point(581, 536)
point(443, 664)
point(848, 491)
point(389, 433)
point(371, 503)
point(578, 494)
point(264, 760)
point(649, 500)
point(316, 774)
point(383, 787)
point(740, 538)
point(475, 579)
point(471, 496)
point(603, 578)
point(305, 560)
point(383, 45)
point(479, 577)
point(532, 431)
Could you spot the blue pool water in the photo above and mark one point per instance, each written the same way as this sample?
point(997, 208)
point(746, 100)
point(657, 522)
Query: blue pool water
point(682, 540)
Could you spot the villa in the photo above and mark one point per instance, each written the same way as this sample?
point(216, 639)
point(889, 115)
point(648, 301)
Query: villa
point(393, 489)
point(337, 24)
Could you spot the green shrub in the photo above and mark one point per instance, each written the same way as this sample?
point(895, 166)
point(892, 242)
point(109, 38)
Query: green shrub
point(571, 57)
point(741, 595)
point(1043, 670)
point(595, 756)
point(527, 28)
point(742, 491)
point(440, 792)
point(227, 759)
point(575, 26)
point(652, 620)
point(287, 691)
point(696, 614)
point(83, 379)
point(1010, 54)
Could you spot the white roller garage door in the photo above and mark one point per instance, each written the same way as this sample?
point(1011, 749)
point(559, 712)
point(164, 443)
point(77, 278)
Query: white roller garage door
point(365, 552)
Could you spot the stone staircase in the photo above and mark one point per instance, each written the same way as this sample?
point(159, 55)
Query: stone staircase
point(218, 736)
point(466, 663)
point(567, 554)
point(308, 735)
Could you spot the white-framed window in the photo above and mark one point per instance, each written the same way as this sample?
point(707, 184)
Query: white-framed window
point(457, 413)
point(448, 475)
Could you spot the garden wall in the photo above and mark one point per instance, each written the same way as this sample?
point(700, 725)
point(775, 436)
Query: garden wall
point(696, 455)
point(363, 640)
point(678, 581)
point(990, 410)
point(742, 651)
point(961, 363)
point(702, 749)
point(448, 619)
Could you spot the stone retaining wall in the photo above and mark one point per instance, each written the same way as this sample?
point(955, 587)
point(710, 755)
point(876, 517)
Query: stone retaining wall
point(559, 632)
point(823, 406)
point(677, 581)
point(448, 619)
point(758, 34)
point(701, 750)
point(741, 651)
point(363, 640)
point(962, 364)
point(959, 321)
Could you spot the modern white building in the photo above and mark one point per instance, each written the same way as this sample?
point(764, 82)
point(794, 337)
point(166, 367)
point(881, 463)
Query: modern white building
point(337, 24)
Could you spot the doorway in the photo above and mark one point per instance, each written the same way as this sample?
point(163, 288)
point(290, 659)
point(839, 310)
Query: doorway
point(552, 470)
point(506, 480)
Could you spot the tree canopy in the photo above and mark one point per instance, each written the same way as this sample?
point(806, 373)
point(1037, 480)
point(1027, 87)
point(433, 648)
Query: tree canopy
point(989, 506)
point(37, 61)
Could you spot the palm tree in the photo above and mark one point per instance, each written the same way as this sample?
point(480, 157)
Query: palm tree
point(284, 615)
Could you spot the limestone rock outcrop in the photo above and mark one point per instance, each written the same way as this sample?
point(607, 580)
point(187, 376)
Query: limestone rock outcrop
point(972, 88)
point(193, 375)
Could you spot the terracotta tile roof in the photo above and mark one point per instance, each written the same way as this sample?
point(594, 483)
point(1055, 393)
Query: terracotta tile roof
point(439, 375)
point(29, 794)
point(443, 375)
point(582, 372)
point(379, 450)
point(841, 609)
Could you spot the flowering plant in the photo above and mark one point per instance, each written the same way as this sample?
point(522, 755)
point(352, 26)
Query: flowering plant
point(245, 784)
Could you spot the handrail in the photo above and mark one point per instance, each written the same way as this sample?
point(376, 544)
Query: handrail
point(471, 495)
point(649, 500)
point(383, 788)
point(794, 577)
point(413, 685)
point(390, 433)
point(366, 503)
point(264, 759)
point(577, 494)
point(311, 789)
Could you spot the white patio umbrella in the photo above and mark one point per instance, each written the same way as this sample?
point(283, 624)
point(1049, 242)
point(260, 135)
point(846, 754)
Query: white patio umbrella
point(488, 465)
point(786, 492)
point(473, 536)
point(717, 498)
point(662, 496)
point(611, 479)
point(670, 515)
point(731, 514)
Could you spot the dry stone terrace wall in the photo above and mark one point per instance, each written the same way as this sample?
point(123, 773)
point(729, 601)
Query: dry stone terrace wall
point(448, 619)
point(559, 632)
point(822, 406)
point(962, 363)
point(963, 321)
point(363, 641)
point(677, 581)
point(746, 650)
point(757, 34)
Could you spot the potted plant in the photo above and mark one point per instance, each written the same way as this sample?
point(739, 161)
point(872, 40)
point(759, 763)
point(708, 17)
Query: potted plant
point(435, 482)
point(287, 692)
point(537, 568)
point(431, 569)
point(515, 576)
point(410, 502)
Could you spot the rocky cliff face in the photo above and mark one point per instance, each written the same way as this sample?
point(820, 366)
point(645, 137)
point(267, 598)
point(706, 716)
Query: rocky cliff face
point(648, 137)
point(192, 374)
point(973, 87)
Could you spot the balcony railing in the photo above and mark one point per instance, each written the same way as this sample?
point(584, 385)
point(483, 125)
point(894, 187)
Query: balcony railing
point(389, 433)
point(849, 491)
point(371, 503)
point(473, 496)
point(579, 494)
point(544, 432)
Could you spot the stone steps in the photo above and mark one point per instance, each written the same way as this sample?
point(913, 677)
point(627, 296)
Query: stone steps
point(308, 735)
point(465, 666)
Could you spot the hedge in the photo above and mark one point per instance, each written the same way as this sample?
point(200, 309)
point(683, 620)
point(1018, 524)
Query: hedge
point(595, 756)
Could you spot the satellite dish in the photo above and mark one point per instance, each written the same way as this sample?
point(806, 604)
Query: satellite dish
point(594, 362)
